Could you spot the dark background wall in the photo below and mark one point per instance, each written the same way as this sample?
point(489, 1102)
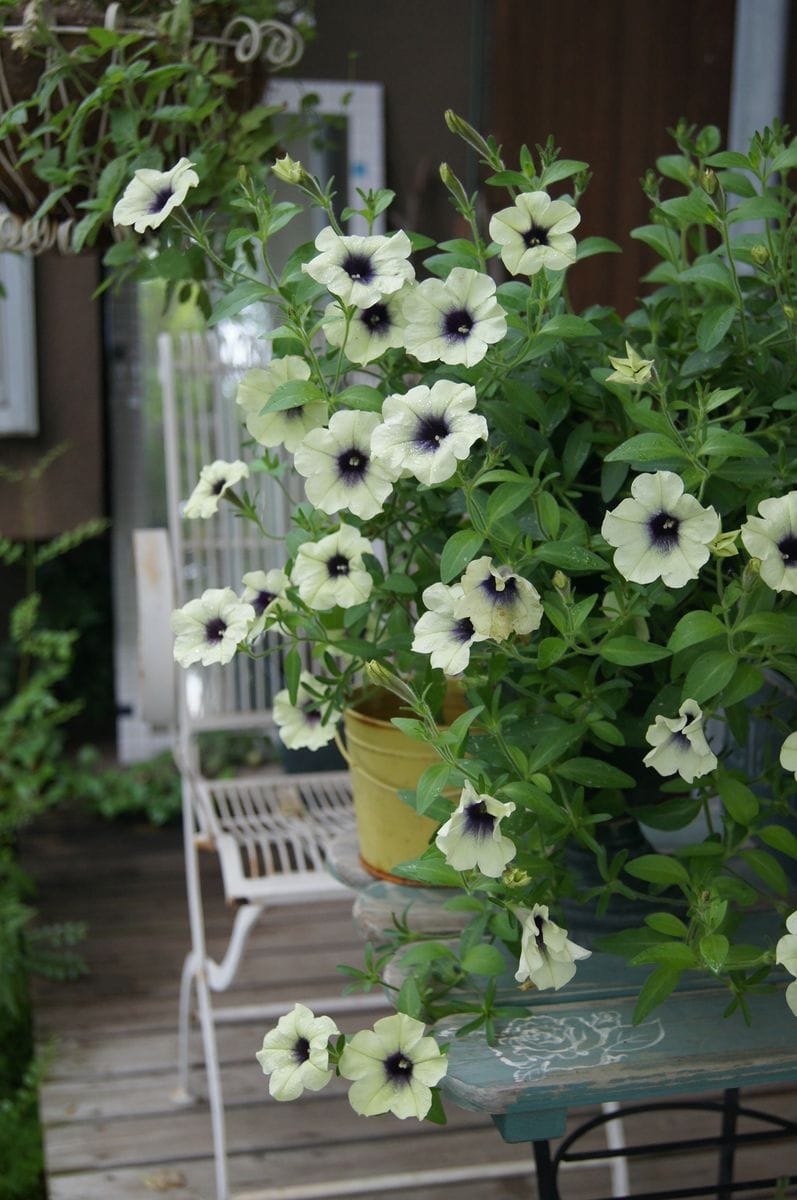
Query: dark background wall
point(607, 80)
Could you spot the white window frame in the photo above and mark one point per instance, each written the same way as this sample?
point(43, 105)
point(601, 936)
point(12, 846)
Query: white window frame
point(362, 104)
point(19, 414)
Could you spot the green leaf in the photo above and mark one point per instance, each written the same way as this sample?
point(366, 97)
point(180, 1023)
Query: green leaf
point(729, 158)
point(237, 300)
point(646, 447)
point(655, 990)
point(596, 245)
point(671, 954)
point(664, 922)
point(506, 498)
point(767, 868)
point(484, 960)
point(403, 584)
point(292, 394)
point(460, 549)
point(594, 773)
point(786, 159)
point(658, 868)
point(428, 871)
point(711, 274)
point(569, 557)
point(361, 397)
point(293, 670)
point(566, 326)
point(661, 238)
point(694, 209)
point(714, 324)
point(526, 795)
point(779, 838)
point(553, 745)
point(761, 208)
point(714, 951)
point(709, 674)
point(740, 803)
point(731, 445)
point(550, 651)
point(694, 628)
point(630, 651)
point(409, 998)
point(430, 785)
point(561, 168)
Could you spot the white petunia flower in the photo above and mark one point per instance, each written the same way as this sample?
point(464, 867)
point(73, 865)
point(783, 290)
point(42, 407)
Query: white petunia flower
point(289, 427)
point(788, 755)
point(786, 949)
point(265, 591)
point(438, 632)
point(393, 1067)
point(372, 330)
point(300, 725)
point(331, 572)
point(428, 431)
point(296, 1054)
point(659, 532)
point(497, 600)
point(209, 629)
point(679, 744)
point(547, 958)
point(772, 538)
point(453, 321)
point(213, 483)
point(340, 470)
point(151, 195)
point(535, 233)
point(361, 270)
point(472, 836)
point(632, 370)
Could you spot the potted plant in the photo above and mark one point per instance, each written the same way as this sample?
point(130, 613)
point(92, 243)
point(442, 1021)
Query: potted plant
point(588, 522)
point(88, 94)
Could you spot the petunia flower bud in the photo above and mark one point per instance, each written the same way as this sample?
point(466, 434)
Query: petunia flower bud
point(288, 169)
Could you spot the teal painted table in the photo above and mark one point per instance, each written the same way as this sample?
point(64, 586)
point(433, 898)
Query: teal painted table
point(579, 1047)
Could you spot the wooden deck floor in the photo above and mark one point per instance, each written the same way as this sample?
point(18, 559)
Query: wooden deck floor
point(112, 1131)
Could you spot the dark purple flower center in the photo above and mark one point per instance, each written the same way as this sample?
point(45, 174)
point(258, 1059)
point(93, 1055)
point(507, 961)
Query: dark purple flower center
point(505, 595)
point(663, 530)
point(352, 466)
point(337, 565)
point(457, 325)
point(215, 630)
point(788, 550)
point(538, 938)
point(462, 630)
point(358, 267)
point(430, 433)
point(398, 1068)
point(160, 199)
point(535, 236)
point(301, 1050)
point(218, 487)
point(262, 601)
point(680, 740)
point(478, 821)
point(376, 319)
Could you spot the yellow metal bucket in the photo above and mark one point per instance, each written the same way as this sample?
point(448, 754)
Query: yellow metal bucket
point(384, 761)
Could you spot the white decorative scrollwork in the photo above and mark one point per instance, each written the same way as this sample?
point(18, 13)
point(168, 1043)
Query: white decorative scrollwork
point(34, 236)
point(283, 46)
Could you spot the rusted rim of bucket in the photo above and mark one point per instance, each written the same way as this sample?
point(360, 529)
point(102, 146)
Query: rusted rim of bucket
point(386, 875)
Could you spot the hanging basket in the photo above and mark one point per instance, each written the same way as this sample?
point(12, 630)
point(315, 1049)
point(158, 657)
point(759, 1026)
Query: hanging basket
point(36, 39)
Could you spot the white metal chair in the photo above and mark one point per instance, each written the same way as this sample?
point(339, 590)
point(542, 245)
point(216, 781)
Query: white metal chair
point(269, 830)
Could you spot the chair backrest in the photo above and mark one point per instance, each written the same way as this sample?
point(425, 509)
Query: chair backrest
point(199, 374)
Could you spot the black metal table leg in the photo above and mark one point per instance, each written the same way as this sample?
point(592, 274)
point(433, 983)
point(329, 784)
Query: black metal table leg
point(546, 1176)
point(727, 1145)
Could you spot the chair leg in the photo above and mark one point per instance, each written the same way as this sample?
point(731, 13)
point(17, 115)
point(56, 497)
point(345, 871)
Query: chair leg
point(183, 1093)
point(215, 1099)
